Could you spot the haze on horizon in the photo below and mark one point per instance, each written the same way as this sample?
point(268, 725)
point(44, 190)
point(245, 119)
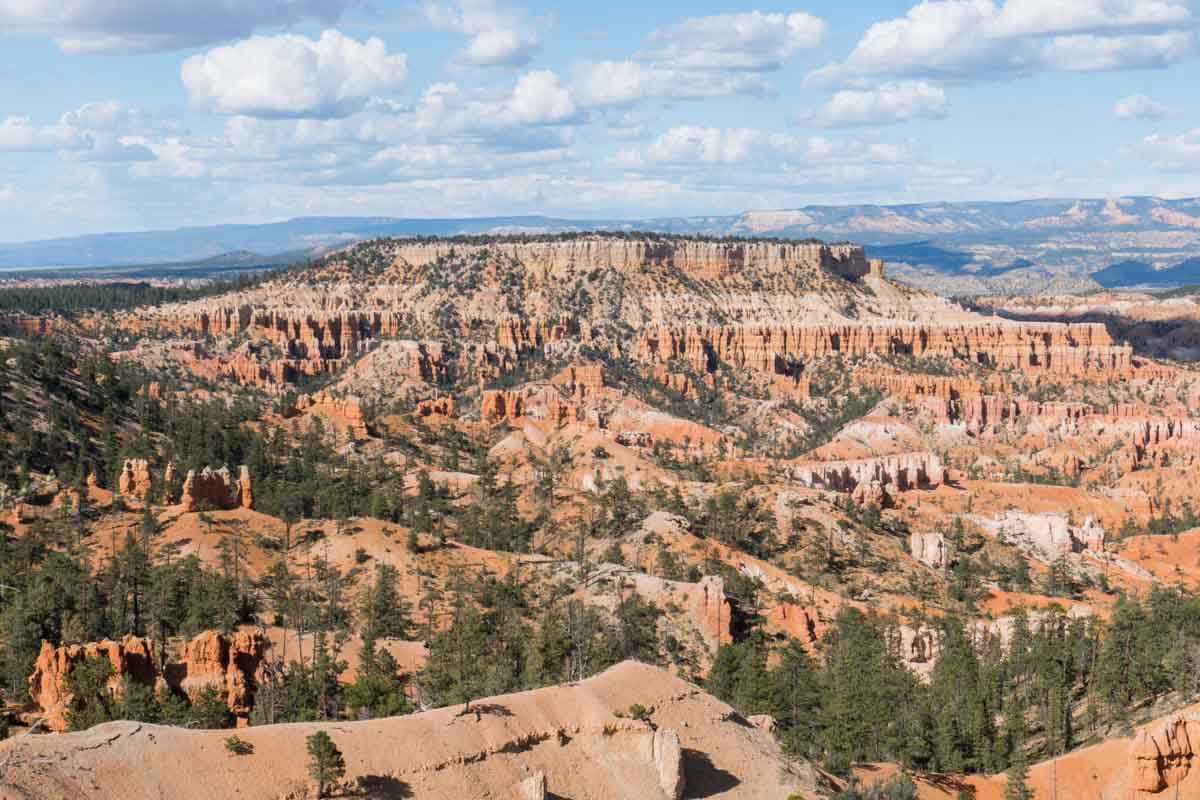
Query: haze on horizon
point(151, 114)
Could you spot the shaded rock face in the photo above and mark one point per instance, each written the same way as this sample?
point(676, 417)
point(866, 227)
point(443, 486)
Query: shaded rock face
point(211, 489)
point(232, 663)
point(1164, 758)
point(436, 407)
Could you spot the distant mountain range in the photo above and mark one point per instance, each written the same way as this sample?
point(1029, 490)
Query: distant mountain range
point(977, 246)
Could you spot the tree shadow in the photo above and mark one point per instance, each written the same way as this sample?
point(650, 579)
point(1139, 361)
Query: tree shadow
point(488, 709)
point(950, 784)
point(702, 778)
point(382, 787)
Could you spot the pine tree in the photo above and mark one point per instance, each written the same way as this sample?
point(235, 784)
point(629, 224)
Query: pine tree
point(1017, 785)
point(325, 761)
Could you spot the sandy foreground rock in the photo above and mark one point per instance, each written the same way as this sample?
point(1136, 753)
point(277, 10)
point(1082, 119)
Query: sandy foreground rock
point(578, 736)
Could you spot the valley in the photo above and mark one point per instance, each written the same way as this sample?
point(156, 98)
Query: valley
point(597, 515)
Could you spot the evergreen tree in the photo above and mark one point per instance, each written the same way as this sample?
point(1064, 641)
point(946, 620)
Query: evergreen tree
point(325, 761)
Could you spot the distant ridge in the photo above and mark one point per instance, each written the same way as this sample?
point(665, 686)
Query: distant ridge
point(980, 241)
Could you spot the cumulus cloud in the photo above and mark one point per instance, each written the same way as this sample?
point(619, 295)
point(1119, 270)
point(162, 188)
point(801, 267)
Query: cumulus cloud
point(102, 26)
point(540, 98)
point(1139, 106)
point(890, 103)
point(622, 83)
point(496, 37)
point(291, 75)
point(748, 41)
point(968, 39)
point(537, 100)
point(102, 131)
point(21, 135)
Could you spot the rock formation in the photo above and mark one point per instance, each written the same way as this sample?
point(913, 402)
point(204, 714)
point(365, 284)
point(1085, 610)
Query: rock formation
point(668, 760)
point(1046, 536)
point(928, 548)
point(1164, 757)
point(213, 489)
point(1053, 348)
point(131, 658)
point(232, 663)
point(134, 480)
point(435, 407)
point(890, 473)
point(532, 788)
point(343, 415)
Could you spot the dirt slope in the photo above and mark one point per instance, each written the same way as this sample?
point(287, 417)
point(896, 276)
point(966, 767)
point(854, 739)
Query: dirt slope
point(572, 734)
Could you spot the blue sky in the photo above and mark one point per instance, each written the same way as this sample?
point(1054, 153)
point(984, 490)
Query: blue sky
point(138, 114)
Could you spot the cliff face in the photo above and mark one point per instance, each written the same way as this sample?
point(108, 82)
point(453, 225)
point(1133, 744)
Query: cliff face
point(701, 260)
point(1028, 348)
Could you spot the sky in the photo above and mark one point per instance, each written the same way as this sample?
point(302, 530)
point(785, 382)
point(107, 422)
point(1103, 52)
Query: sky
point(147, 114)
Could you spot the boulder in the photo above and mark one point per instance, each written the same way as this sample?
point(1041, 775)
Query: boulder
point(668, 760)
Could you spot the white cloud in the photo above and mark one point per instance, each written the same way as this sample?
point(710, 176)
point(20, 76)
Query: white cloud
point(1139, 106)
point(748, 41)
point(540, 98)
point(890, 103)
point(1179, 153)
point(537, 101)
point(290, 75)
point(618, 83)
point(1089, 53)
point(748, 148)
point(21, 135)
point(693, 144)
point(982, 39)
point(102, 131)
point(101, 26)
point(496, 37)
